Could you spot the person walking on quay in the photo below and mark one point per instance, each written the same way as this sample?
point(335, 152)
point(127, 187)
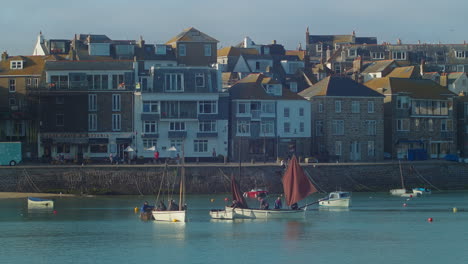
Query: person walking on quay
point(156, 157)
point(111, 158)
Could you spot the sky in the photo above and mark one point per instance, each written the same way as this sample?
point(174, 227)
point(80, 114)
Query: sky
point(285, 21)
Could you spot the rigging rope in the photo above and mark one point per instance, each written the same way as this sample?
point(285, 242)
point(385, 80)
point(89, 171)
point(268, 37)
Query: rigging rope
point(424, 179)
point(314, 182)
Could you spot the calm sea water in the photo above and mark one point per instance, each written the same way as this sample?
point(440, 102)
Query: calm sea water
point(376, 229)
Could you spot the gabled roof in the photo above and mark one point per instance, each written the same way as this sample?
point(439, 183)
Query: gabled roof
point(250, 88)
point(339, 86)
point(299, 53)
point(112, 65)
point(32, 65)
point(235, 51)
point(378, 66)
point(191, 35)
point(416, 88)
point(404, 72)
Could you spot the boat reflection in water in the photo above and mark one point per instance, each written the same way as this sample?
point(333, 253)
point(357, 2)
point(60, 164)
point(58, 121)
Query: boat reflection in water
point(168, 230)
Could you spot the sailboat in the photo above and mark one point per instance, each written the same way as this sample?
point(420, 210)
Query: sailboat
point(296, 187)
point(174, 214)
point(403, 192)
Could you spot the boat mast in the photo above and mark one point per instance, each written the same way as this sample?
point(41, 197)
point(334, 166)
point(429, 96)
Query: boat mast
point(182, 180)
point(401, 176)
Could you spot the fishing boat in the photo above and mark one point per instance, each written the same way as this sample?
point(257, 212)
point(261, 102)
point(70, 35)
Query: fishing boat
point(422, 191)
point(296, 187)
point(336, 199)
point(174, 213)
point(34, 202)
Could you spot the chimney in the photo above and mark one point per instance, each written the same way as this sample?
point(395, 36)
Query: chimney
point(443, 79)
point(4, 56)
point(299, 47)
point(274, 42)
point(357, 64)
point(421, 67)
point(141, 42)
point(398, 41)
point(307, 36)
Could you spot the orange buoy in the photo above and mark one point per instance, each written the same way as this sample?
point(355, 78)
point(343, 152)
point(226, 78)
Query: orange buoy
point(429, 219)
point(226, 199)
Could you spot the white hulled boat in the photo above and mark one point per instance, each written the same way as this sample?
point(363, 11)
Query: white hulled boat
point(40, 203)
point(336, 199)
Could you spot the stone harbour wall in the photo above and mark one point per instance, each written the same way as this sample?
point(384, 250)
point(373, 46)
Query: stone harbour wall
point(215, 178)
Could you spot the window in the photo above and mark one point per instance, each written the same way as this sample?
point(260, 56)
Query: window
point(174, 82)
point(319, 47)
point(402, 102)
point(287, 127)
point(207, 107)
point(320, 107)
point(370, 148)
point(161, 49)
point(12, 85)
point(371, 127)
point(338, 148)
point(355, 107)
point(207, 126)
point(266, 50)
point(243, 108)
point(399, 55)
point(301, 127)
point(207, 48)
point(352, 53)
point(149, 143)
point(16, 65)
point(338, 127)
point(267, 127)
point(92, 122)
point(59, 120)
point(199, 80)
point(28, 82)
point(149, 127)
point(417, 124)
point(92, 102)
point(177, 143)
point(268, 107)
point(402, 124)
point(430, 124)
point(59, 100)
point(286, 112)
point(243, 127)
point(177, 126)
point(301, 111)
point(337, 68)
point(257, 66)
point(98, 148)
point(117, 81)
point(319, 128)
point(36, 82)
point(378, 55)
point(116, 122)
point(98, 82)
point(200, 145)
point(150, 107)
point(337, 106)
point(182, 50)
point(293, 87)
point(445, 125)
point(116, 106)
point(370, 107)
point(459, 54)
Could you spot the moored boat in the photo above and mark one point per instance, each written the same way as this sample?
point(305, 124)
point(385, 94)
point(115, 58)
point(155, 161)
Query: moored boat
point(336, 199)
point(422, 191)
point(34, 202)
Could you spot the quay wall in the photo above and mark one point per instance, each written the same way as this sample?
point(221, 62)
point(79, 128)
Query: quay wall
point(214, 178)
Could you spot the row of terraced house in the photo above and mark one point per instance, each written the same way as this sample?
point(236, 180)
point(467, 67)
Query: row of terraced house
point(341, 98)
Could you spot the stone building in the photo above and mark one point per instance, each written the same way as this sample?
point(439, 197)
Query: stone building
point(347, 120)
point(420, 120)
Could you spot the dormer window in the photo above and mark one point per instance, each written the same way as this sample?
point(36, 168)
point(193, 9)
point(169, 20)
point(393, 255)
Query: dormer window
point(161, 49)
point(352, 53)
point(399, 55)
point(16, 65)
point(319, 47)
point(460, 54)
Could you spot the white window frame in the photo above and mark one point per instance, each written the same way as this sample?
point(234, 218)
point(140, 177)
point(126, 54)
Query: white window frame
point(286, 112)
point(460, 54)
point(370, 107)
point(182, 50)
point(403, 102)
point(446, 125)
point(202, 77)
point(403, 125)
point(92, 102)
point(213, 105)
point(116, 102)
point(150, 127)
point(267, 127)
point(371, 127)
point(338, 127)
point(268, 107)
point(92, 122)
point(378, 55)
point(200, 146)
point(116, 122)
point(399, 55)
point(352, 53)
point(12, 85)
point(150, 104)
point(337, 106)
point(172, 82)
point(355, 107)
point(207, 126)
point(177, 126)
point(301, 111)
point(338, 148)
point(243, 127)
point(319, 47)
point(149, 143)
point(16, 65)
point(246, 107)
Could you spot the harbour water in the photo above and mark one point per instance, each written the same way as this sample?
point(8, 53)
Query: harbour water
point(376, 229)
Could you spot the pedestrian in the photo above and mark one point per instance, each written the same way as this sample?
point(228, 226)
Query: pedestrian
point(156, 157)
point(278, 203)
point(282, 164)
point(111, 158)
point(214, 153)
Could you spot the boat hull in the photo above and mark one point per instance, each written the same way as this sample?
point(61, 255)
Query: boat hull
point(398, 192)
point(170, 216)
point(40, 203)
point(342, 202)
point(227, 214)
point(422, 191)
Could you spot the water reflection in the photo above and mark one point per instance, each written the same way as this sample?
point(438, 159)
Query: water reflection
point(334, 209)
point(168, 230)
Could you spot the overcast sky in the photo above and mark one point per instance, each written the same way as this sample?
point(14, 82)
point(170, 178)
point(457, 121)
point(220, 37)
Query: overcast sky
point(230, 21)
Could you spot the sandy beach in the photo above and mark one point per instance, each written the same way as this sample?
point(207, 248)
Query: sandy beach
point(7, 195)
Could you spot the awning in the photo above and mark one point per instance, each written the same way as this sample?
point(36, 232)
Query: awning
point(98, 140)
point(123, 140)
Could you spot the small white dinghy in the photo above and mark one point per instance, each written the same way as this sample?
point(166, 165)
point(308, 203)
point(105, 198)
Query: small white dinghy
point(336, 199)
point(40, 203)
point(421, 191)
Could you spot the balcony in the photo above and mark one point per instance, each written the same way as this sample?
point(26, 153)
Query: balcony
point(255, 114)
point(207, 134)
point(177, 134)
point(447, 134)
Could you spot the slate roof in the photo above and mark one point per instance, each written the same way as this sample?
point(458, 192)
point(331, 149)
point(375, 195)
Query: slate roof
point(416, 88)
point(94, 38)
point(378, 66)
point(113, 65)
point(191, 35)
point(404, 72)
point(235, 51)
point(339, 86)
point(32, 65)
point(250, 88)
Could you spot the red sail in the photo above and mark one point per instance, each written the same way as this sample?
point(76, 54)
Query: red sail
point(296, 185)
point(237, 195)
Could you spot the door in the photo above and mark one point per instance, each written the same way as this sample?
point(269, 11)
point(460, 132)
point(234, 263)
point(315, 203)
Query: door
point(120, 151)
point(355, 151)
